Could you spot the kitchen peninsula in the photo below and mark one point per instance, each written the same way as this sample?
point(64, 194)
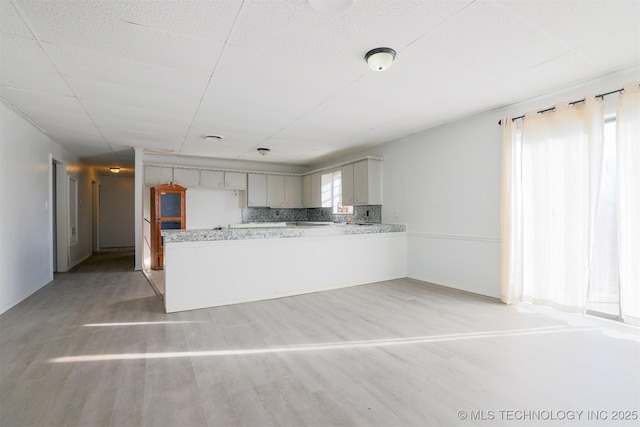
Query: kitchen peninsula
point(209, 268)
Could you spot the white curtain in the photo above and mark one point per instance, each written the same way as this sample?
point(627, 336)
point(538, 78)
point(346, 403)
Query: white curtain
point(628, 157)
point(560, 169)
point(511, 213)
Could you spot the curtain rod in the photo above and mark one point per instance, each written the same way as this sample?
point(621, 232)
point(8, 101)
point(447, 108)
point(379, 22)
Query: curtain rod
point(602, 95)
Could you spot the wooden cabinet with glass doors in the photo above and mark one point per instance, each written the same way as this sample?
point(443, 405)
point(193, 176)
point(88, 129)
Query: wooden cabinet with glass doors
point(167, 213)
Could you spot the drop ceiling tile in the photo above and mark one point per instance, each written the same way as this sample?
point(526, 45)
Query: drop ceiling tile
point(75, 62)
point(24, 65)
point(487, 39)
point(301, 154)
point(136, 117)
point(118, 137)
point(618, 51)
point(551, 76)
point(572, 22)
point(210, 20)
point(11, 22)
point(41, 106)
point(289, 31)
point(205, 19)
point(412, 81)
point(120, 95)
point(223, 150)
point(81, 149)
point(331, 122)
point(259, 93)
point(87, 26)
point(404, 21)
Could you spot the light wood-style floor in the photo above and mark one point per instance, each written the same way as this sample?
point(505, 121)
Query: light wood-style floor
point(94, 348)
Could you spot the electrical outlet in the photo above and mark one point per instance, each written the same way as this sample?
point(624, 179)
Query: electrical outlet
point(397, 212)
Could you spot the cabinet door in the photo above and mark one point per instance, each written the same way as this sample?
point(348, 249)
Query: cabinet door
point(235, 180)
point(156, 175)
point(186, 177)
point(306, 191)
point(360, 182)
point(292, 191)
point(275, 191)
point(213, 179)
point(374, 182)
point(316, 190)
point(257, 190)
point(347, 175)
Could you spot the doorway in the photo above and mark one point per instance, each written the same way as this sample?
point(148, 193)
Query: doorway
point(59, 217)
point(95, 216)
point(54, 218)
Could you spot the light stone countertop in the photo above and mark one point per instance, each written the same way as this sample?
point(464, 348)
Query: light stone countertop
point(299, 230)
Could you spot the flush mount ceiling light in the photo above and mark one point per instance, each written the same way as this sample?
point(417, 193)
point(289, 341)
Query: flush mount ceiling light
point(263, 151)
point(380, 58)
point(330, 7)
point(114, 169)
point(213, 137)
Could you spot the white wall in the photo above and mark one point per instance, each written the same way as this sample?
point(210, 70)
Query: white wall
point(210, 208)
point(25, 201)
point(444, 184)
point(117, 212)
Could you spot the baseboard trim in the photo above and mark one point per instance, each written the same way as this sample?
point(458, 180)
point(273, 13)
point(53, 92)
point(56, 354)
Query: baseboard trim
point(457, 287)
point(455, 237)
point(23, 296)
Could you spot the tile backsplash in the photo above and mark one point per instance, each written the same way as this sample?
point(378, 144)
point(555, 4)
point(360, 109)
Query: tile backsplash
point(371, 213)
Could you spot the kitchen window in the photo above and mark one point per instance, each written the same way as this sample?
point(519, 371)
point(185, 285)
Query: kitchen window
point(332, 193)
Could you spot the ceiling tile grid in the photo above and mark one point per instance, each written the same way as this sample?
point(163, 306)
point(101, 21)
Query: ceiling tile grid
point(107, 75)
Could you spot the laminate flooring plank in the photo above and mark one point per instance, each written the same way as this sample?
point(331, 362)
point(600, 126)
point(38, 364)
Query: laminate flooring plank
point(394, 353)
point(279, 410)
point(128, 403)
point(171, 396)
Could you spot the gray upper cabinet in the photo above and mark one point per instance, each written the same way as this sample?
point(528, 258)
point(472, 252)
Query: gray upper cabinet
point(284, 191)
point(186, 177)
point(156, 175)
point(235, 180)
point(306, 191)
point(212, 179)
point(223, 180)
point(292, 191)
point(362, 183)
point(275, 191)
point(346, 173)
point(256, 190)
point(312, 190)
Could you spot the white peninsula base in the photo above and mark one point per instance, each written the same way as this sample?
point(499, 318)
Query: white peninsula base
point(214, 273)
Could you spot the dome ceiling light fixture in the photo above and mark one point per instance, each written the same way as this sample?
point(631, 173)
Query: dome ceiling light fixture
point(212, 138)
point(380, 58)
point(114, 169)
point(263, 151)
